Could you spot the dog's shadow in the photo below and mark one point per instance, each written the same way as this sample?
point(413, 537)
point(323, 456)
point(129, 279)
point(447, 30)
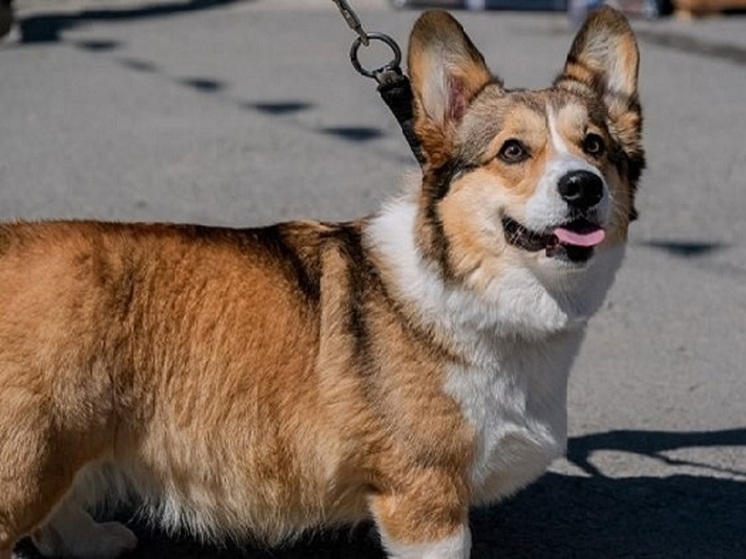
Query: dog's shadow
point(560, 515)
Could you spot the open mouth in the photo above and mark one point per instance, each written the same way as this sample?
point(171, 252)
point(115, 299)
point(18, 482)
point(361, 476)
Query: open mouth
point(574, 240)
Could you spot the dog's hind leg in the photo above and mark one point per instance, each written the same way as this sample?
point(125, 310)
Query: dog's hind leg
point(6, 551)
point(71, 532)
point(34, 475)
point(41, 450)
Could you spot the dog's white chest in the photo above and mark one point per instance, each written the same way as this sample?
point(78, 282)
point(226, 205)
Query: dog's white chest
point(516, 403)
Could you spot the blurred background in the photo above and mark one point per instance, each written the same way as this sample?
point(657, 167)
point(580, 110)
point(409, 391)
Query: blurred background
point(247, 112)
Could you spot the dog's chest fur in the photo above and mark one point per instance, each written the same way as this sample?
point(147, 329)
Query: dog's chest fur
point(516, 342)
point(514, 397)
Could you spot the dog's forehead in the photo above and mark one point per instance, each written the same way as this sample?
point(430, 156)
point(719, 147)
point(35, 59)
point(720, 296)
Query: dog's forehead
point(524, 113)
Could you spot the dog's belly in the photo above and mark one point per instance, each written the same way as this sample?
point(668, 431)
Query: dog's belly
point(235, 502)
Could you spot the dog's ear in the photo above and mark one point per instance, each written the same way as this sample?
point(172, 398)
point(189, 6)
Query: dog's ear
point(604, 59)
point(446, 71)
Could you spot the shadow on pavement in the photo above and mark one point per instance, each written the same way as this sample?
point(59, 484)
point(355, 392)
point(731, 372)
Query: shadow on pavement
point(47, 28)
point(686, 249)
point(653, 444)
point(682, 516)
point(560, 516)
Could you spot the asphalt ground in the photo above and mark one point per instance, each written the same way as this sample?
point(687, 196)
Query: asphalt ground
point(246, 113)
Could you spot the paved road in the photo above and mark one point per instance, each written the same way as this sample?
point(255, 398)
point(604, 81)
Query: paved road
point(247, 113)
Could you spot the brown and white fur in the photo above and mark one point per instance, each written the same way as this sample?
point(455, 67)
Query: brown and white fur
point(258, 383)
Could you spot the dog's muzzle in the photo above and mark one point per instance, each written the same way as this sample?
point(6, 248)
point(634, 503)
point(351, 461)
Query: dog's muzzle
point(574, 240)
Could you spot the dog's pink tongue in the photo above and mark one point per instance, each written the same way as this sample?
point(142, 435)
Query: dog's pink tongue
point(588, 239)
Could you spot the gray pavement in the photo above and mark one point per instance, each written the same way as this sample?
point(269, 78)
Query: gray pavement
point(245, 113)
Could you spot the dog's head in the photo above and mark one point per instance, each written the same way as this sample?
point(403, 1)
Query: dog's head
point(544, 179)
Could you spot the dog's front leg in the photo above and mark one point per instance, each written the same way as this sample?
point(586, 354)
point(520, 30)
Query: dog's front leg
point(429, 520)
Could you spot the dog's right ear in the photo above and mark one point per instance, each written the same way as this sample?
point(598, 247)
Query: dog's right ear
point(446, 71)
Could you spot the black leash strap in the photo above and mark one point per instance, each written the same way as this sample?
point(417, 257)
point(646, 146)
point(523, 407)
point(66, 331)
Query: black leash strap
point(396, 92)
point(393, 86)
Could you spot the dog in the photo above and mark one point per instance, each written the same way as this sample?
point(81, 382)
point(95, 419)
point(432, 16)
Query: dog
point(260, 383)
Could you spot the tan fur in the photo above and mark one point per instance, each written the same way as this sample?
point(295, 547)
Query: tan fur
point(261, 382)
point(193, 356)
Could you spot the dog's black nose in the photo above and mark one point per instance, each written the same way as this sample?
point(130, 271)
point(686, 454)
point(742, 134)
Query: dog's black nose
point(581, 189)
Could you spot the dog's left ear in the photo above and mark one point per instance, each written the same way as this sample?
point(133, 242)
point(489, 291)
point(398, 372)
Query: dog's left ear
point(604, 60)
point(446, 72)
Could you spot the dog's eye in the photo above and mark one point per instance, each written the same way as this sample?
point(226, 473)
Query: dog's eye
point(593, 144)
point(513, 151)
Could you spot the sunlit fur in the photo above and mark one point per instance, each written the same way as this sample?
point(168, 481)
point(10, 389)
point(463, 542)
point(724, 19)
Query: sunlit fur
point(259, 383)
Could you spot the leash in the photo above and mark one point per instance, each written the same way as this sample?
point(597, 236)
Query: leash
point(393, 86)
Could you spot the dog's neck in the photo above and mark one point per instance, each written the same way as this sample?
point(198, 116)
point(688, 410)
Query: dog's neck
point(518, 305)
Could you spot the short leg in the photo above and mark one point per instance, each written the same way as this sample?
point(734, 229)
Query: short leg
point(32, 478)
point(71, 532)
point(428, 521)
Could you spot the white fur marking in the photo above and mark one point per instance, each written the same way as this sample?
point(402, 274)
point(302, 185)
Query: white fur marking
point(457, 546)
point(516, 401)
point(557, 142)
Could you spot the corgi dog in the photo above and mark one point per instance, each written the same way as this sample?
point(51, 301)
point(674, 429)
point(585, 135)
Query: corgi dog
point(259, 383)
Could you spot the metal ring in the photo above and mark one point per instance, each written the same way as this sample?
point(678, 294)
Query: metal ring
point(393, 65)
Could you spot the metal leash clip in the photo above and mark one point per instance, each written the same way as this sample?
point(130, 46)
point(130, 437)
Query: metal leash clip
point(378, 74)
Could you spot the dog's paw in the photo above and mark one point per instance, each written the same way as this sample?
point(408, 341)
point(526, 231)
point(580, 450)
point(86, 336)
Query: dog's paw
point(109, 540)
point(112, 540)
